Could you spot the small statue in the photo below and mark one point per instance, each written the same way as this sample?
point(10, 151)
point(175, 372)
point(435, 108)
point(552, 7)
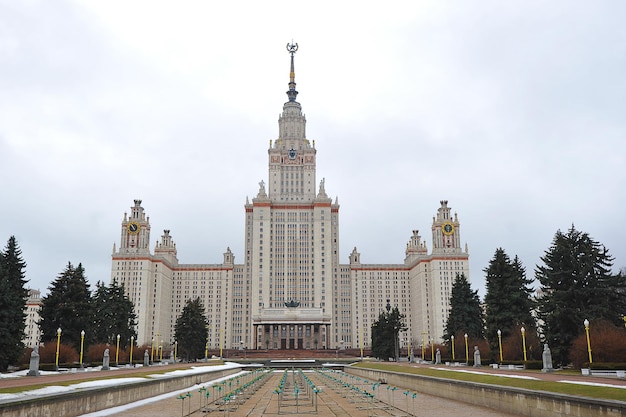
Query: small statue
point(547, 359)
point(105, 360)
point(476, 357)
point(34, 362)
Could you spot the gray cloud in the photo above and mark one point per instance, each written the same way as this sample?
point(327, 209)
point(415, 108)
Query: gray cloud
point(511, 111)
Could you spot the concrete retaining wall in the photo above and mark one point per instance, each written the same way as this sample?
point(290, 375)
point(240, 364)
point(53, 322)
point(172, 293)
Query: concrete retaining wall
point(506, 399)
point(85, 401)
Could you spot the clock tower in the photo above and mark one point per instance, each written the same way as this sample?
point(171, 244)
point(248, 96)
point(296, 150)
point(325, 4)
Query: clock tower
point(135, 231)
point(445, 228)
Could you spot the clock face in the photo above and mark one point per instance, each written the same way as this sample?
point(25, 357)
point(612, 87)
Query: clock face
point(447, 228)
point(133, 228)
point(292, 153)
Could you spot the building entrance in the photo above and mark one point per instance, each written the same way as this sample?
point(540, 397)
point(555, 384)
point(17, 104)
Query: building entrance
point(291, 336)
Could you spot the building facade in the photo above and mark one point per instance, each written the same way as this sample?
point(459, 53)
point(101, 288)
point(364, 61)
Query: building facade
point(291, 291)
point(32, 333)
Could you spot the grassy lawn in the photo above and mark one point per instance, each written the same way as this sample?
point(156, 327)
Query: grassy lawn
point(93, 376)
point(592, 391)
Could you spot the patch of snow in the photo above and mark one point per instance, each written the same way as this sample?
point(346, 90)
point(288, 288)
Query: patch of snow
point(507, 375)
point(58, 389)
point(130, 406)
point(597, 384)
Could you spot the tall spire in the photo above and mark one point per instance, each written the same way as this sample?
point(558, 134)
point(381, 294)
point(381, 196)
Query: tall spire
point(292, 93)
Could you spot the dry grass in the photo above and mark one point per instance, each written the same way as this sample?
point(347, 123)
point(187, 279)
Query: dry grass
point(607, 393)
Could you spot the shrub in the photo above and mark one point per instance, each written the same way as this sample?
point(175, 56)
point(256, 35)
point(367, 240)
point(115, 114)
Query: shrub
point(25, 359)
point(607, 345)
point(513, 346)
point(47, 353)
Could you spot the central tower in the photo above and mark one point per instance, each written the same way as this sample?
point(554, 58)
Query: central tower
point(292, 158)
point(291, 241)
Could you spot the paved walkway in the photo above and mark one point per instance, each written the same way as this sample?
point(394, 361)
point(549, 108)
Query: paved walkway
point(335, 399)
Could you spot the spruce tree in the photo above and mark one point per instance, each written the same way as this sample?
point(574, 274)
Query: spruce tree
point(385, 333)
point(524, 301)
point(508, 302)
point(381, 346)
point(466, 314)
point(67, 306)
point(13, 295)
point(113, 315)
point(576, 284)
point(191, 330)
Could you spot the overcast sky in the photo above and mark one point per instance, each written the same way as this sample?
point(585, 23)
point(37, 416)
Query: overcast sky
point(512, 111)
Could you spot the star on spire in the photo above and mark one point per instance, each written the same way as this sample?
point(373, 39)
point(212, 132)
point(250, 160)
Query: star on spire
point(292, 93)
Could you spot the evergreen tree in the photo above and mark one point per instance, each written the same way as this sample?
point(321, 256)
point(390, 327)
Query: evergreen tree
point(466, 313)
point(385, 333)
point(191, 330)
point(508, 302)
point(576, 284)
point(382, 340)
point(68, 307)
point(13, 297)
point(114, 315)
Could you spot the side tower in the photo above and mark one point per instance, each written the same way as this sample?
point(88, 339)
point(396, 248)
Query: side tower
point(291, 241)
point(146, 278)
point(432, 276)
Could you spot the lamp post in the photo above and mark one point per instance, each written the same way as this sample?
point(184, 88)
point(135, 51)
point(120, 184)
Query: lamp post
point(423, 344)
point(206, 348)
point(56, 361)
point(586, 323)
point(452, 337)
point(117, 351)
point(524, 341)
point(221, 340)
point(408, 349)
point(432, 350)
point(175, 350)
point(82, 341)
point(500, 344)
point(132, 342)
point(161, 352)
point(361, 337)
point(152, 352)
point(466, 350)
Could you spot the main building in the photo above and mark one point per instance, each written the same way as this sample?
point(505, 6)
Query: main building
point(291, 291)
